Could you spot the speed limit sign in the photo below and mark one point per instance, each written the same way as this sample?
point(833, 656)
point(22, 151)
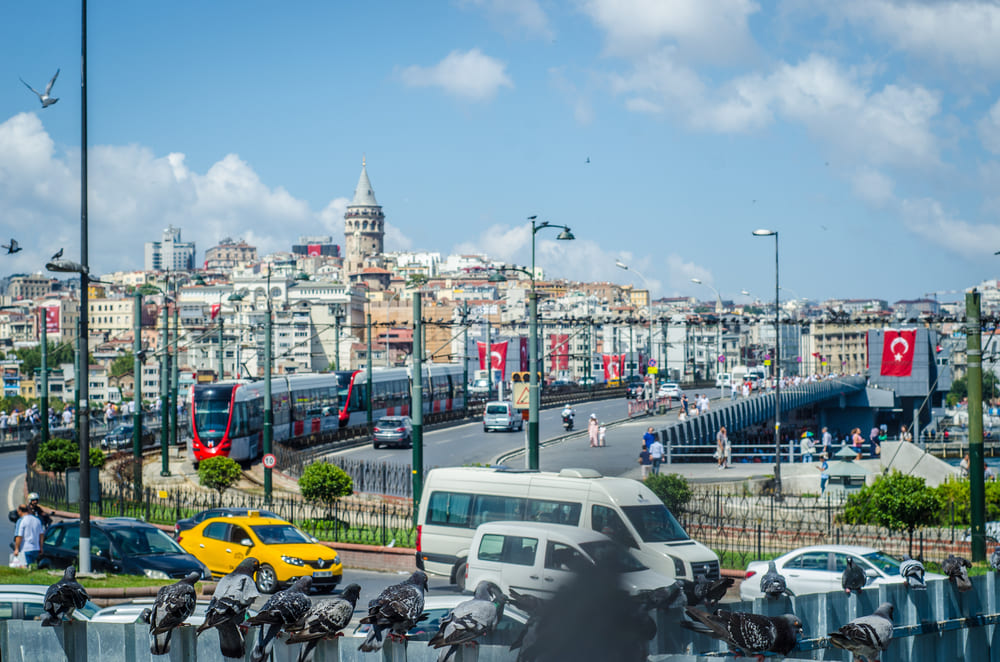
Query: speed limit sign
point(270, 461)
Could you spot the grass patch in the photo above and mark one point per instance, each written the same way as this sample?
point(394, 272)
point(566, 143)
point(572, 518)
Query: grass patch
point(48, 577)
point(731, 560)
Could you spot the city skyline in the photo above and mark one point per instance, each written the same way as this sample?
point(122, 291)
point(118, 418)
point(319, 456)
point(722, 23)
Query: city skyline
point(661, 133)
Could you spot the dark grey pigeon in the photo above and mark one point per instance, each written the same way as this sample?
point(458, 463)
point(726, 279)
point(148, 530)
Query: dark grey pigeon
point(469, 620)
point(912, 571)
point(866, 636)
point(62, 598)
point(397, 609)
point(282, 609)
point(174, 604)
point(747, 634)
point(12, 247)
point(956, 569)
point(709, 592)
point(528, 638)
point(234, 594)
point(995, 558)
point(324, 620)
point(854, 578)
point(772, 582)
point(47, 99)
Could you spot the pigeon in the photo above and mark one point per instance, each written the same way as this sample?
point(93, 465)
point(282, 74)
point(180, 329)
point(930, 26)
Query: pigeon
point(995, 558)
point(748, 634)
point(44, 98)
point(324, 620)
point(57, 255)
point(866, 636)
point(469, 620)
point(397, 609)
point(62, 598)
point(709, 592)
point(174, 604)
point(955, 568)
point(854, 578)
point(772, 582)
point(12, 247)
point(912, 571)
point(234, 594)
point(282, 609)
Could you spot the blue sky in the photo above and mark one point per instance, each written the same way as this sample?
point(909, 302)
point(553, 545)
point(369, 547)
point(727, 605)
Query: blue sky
point(866, 132)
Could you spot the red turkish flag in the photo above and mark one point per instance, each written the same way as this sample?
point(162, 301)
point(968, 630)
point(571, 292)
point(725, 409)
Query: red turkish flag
point(216, 307)
point(481, 346)
point(524, 353)
point(621, 365)
point(498, 358)
point(52, 319)
point(314, 250)
point(559, 351)
point(898, 348)
point(606, 361)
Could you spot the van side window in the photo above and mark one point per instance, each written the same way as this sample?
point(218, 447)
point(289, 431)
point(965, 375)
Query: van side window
point(490, 508)
point(608, 522)
point(556, 512)
point(491, 547)
point(559, 556)
point(449, 509)
point(519, 550)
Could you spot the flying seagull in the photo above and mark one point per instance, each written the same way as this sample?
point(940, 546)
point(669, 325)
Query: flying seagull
point(174, 604)
point(58, 254)
point(12, 247)
point(63, 597)
point(44, 98)
point(234, 594)
point(866, 636)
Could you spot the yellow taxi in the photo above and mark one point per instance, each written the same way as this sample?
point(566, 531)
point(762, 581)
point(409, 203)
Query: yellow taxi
point(285, 552)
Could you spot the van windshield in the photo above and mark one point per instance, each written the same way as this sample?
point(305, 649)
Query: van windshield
point(613, 556)
point(655, 523)
point(496, 409)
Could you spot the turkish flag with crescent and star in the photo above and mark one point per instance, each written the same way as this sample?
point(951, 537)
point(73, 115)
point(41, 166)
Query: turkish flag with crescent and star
point(216, 307)
point(498, 357)
point(898, 348)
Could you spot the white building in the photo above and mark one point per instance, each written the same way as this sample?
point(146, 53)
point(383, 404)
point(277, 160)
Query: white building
point(170, 253)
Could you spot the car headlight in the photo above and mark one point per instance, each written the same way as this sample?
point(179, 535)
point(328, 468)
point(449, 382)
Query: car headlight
point(336, 559)
point(155, 574)
point(678, 566)
point(291, 560)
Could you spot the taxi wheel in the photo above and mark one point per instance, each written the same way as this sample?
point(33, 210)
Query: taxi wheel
point(267, 580)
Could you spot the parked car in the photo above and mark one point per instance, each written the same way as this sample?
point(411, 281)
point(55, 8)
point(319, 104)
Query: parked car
point(502, 416)
point(634, 386)
point(393, 431)
point(819, 569)
point(23, 602)
point(669, 390)
point(194, 520)
point(130, 611)
point(120, 545)
point(285, 552)
point(121, 437)
point(586, 382)
point(479, 388)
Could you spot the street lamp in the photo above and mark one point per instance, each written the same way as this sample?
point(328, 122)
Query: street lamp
point(649, 302)
point(777, 366)
point(718, 323)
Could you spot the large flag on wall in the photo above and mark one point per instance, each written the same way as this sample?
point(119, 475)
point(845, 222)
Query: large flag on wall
point(498, 357)
point(559, 351)
point(51, 319)
point(898, 348)
point(524, 354)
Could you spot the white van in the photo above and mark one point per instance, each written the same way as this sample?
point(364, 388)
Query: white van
point(501, 415)
point(540, 558)
point(456, 500)
point(722, 380)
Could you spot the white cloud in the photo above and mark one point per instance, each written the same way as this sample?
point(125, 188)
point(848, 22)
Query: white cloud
point(527, 15)
point(873, 187)
point(926, 217)
point(470, 75)
point(989, 129)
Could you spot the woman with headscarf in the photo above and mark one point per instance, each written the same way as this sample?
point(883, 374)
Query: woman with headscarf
point(592, 429)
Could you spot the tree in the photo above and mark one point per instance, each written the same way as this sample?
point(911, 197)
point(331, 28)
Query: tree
point(897, 501)
point(324, 483)
point(219, 473)
point(673, 490)
point(58, 455)
point(960, 388)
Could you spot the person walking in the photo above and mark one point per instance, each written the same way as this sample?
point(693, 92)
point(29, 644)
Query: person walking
point(684, 404)
point(857, 441)
point(827, 441)
point(656, 456)
point(28, 535)
point(807, 447)
point(602, 435)
point(904, 434)
point(649, 437)
point(721, 438)
point(824, 472)
point(645, 460)
point(592, 430)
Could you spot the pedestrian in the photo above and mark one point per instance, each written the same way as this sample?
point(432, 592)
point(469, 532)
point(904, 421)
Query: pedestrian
point(656, 456)
point(807, 447)
point(904, 434)
point(876, 446)
point(67, 416)
point(857, 441)
point(873, 441)
point(684, 404)
point(746, 389)
point(37, 510)
point(824, 472)
point(28, 535)
point(649, 437)
point(727, 451)
point(827, 440)
point(720, 446)
point(602, 435)
point(963, 466)
point(645, 460)
point(592, 430)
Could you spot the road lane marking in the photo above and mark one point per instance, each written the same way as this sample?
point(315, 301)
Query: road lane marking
point(11, 505)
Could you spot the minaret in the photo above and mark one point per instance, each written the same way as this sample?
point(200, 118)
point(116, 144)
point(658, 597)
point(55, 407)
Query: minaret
point(364, 225)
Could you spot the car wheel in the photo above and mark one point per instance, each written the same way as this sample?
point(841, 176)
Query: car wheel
point(267, 581)
point(460, 569)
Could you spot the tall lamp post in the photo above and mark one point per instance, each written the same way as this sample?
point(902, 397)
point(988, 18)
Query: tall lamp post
point(622, 265)
point(777, 366)
point(718, 325)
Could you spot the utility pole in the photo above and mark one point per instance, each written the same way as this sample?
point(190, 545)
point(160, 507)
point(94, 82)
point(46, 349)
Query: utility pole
point(175, 369)
point(465, 353)
point(371, 391)
point(222, 363)
point(977, 487)
point(268, 409)
point(417, 399)
point(489, 360)
point(137, 395)
point(44, 386)
point(164, 391)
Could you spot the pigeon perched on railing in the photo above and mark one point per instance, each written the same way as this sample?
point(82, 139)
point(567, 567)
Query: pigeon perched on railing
point(866, 636)
point(956, 569)
point(912, 571)
point(747, 634)
point(324, 620)
point(854, 578)
point(397, 609)
point(772, 582)
point(709, 592)
point(174, 604)
point(282, 609)
point(995, 558)
point(469, 620)
point(63, 597)
point(234, 594)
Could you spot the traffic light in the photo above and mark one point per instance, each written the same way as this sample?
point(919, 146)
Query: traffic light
point(519, 377)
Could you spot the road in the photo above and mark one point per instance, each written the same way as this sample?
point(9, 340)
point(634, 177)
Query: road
point(12, 484)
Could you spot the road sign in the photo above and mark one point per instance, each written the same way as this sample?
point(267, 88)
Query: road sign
point(521, 394)
point(652, 370)
point(270, 461)
point(767, 361)
point(652, 363)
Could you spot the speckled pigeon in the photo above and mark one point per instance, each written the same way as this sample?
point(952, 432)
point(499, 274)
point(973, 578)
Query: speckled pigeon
point(912, 571)
point(282, 609)
point(397, 609)
point(174, 604)
point(995, 558)
point(854, 578)
point(324, 620)
point(748, 634)
point(469, 620)
point(956, 569)
point(866, 636)
point(63, 598)
point(772, 582)
point(234, 594)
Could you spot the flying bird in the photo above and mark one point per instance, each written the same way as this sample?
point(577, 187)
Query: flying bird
point(469, 621)
point(995, 558)
point(46, 99)
point(749, 634)
point(284, 608)
point(397, 609)
point(58, 254)
point(854, 578)
point(956, 569)
point(12, 247)
point(234, 594)
point(324, 620)
point(174, 604)
point(62, 598)
point(866, 636)
point(912, 571)
point(588, 159)
point(772, 582)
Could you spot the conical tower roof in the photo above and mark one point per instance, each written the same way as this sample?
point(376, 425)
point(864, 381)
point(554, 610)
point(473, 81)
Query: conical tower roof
point(364, 196)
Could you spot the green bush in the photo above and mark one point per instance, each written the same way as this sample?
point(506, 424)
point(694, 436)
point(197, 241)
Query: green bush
point(97, 458)
point(673, 490)
point(956, 491)
point(219, 473)
point(324, 483)
point(897, 501)
point(58, 455)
